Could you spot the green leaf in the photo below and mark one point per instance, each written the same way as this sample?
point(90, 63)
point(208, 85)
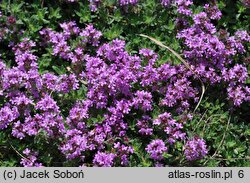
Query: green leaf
point(59, 70)
point(113, 32)
point(54, 13)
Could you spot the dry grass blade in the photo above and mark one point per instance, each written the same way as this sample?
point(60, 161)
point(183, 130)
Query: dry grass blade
point(221, 142)
point(183, 61)
point(200, 120)
point(19, 153)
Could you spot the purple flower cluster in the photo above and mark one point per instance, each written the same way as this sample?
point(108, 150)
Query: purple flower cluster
point(7, 26)
point(93, 4)
point(128, 2)
point(144, 125)
point(76, 144)
point(183, 7)
point(213, 12)
point(111, 76)
point(211, 53)
point(195, 149)
point(166, 3)
point(21, 102)
point(60, 40)
point(30, 159)
point(246, 3)
point(78, 114)
point(7, 115)
point(122, 153)
point(104, 159)
point(156, 148)
point(171, 127)
point(63, 83)
point(142, 100)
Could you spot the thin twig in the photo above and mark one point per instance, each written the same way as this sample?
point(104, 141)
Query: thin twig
point(200, 120)
point(42, 3)
point(222, 140)
point(184, 62)
point(18, 152)
point(51, 93)
point(209, 119)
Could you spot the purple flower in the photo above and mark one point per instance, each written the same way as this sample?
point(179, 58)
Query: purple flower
point(143, 100)
point(70, 28)
point(150, 55)
point(7, 115)
point(47, 104)
point(104, 159)
point(238, 94)
point(128, 2)
point(31, 159)
point(183, 6)
point(13, 78)
point(170, 126)
point(66, 83)
point(144, 125)
point(21, 101)
point(246, 3)
point(166, 3)
point(149, 76)
point(94, 4)
point(50, 81)
point(17, 130)
point(242, 35)
point(195, 149)
point(156, 149)
point(180, 90)
point(91, 35)
point(122, 91)
point(76, 143)
point(238, 73)
point(213, 12)
point(210, 55)
point(122, 153)
point(123, 106)
point(78, 114)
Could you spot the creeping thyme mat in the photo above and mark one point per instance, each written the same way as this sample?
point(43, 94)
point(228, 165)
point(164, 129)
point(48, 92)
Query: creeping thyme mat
point(82, 85)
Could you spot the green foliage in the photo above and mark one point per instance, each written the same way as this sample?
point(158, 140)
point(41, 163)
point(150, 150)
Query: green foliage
point(226, 135)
